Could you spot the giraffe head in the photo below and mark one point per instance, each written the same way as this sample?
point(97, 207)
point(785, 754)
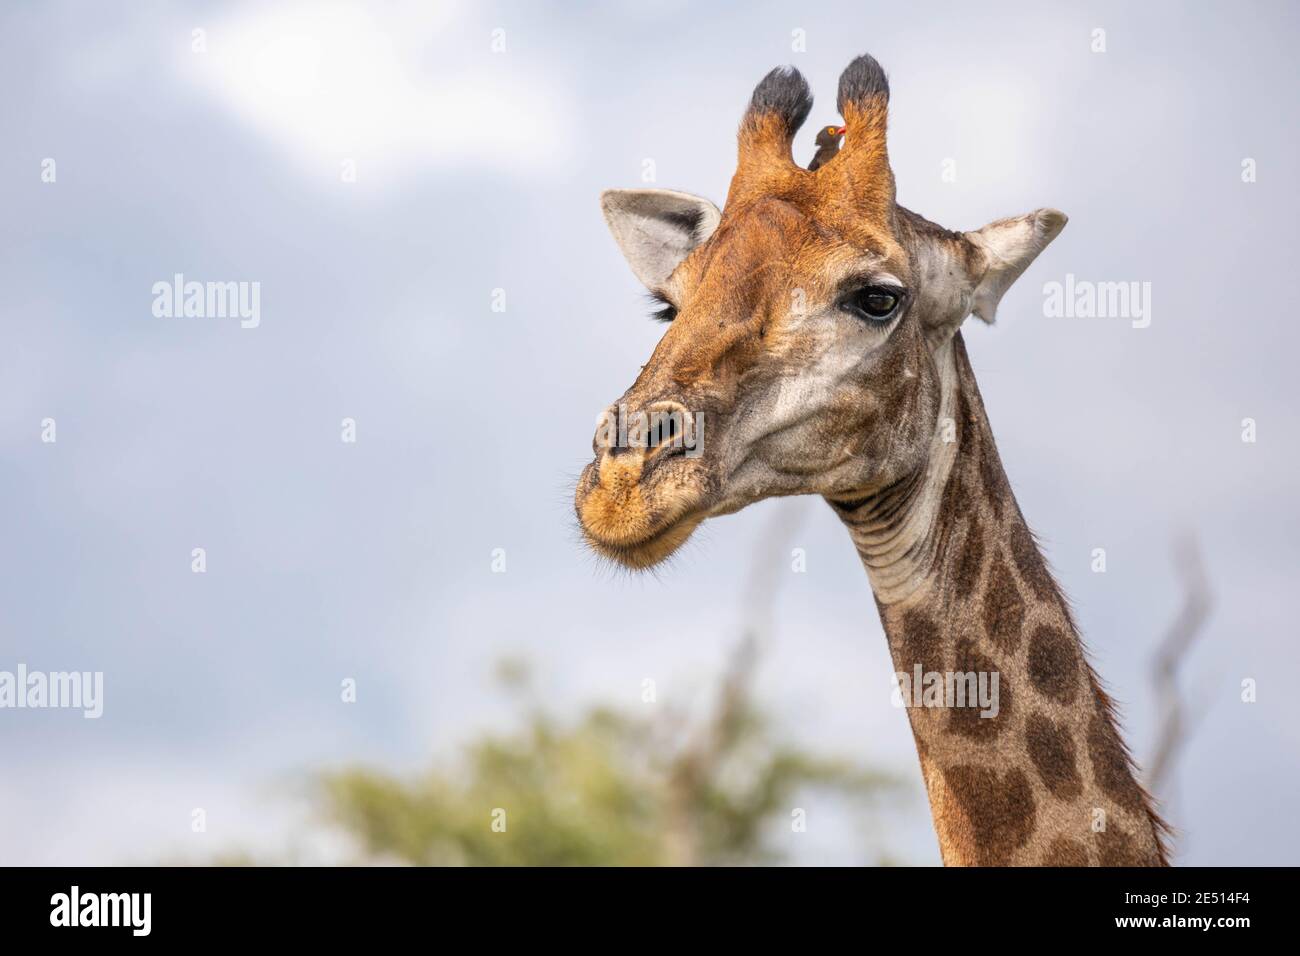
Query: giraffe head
point(805, 318)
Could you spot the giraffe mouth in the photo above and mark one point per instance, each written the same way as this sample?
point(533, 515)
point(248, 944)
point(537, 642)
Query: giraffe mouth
point(636, 520)
point(648, 551)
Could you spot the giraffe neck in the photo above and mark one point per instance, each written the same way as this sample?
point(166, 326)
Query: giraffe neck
point(1043, 777)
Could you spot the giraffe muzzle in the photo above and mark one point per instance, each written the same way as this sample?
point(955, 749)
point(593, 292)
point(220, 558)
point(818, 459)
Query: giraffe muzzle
point(644, 493)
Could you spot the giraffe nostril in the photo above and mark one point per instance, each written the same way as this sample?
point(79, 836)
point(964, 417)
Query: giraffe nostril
point(670, 430)
point(662, 429)
point(665, 452)
point(606, 439)
point(664, 434)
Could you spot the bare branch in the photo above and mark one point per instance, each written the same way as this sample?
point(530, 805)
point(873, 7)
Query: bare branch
point(1176, 725)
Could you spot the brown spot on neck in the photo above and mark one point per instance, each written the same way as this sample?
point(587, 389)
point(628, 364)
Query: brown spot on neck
point(1053, 754)
point(1004, 609)
point(999, 812)
point(1054, 663)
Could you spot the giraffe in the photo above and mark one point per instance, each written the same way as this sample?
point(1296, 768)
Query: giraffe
point(814, 328)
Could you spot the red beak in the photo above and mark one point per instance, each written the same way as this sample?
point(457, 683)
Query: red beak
point(841, 131)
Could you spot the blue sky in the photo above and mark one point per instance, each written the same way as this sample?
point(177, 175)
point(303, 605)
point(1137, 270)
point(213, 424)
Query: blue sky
point(479, 170)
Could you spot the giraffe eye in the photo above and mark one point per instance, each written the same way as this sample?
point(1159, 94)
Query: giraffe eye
point(875, 304)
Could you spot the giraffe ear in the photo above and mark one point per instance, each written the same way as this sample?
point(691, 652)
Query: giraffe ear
point(1005, 249)
point(657, 228)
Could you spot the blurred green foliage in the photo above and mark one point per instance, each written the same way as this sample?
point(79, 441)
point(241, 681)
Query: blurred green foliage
point(613, 788)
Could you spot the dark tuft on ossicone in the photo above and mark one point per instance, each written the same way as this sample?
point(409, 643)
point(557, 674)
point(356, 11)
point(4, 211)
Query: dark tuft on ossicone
point(785, 92)
point(862, 78)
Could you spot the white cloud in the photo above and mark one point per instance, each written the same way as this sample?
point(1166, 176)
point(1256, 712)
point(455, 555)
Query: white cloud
point(341, 81)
